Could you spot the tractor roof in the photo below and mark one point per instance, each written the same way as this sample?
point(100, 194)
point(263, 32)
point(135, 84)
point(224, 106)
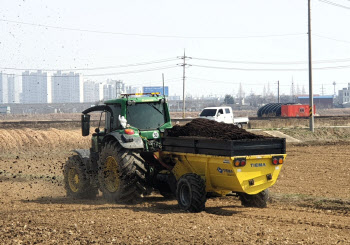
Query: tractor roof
point(150, 97)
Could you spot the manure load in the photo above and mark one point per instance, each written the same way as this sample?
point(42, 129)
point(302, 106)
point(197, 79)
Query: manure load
point(203, 136)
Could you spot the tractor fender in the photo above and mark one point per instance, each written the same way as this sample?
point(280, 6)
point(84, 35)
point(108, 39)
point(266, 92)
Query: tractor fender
point(126, 141)
point(84, 155)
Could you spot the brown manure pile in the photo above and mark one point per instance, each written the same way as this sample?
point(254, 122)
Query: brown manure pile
point(201, 127)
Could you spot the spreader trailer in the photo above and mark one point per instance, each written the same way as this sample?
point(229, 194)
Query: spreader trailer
point(225, 166)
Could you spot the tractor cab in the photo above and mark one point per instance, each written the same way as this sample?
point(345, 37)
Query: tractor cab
point(135, 120)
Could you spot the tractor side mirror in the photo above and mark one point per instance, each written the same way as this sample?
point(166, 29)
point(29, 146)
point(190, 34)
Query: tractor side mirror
point(85, 124)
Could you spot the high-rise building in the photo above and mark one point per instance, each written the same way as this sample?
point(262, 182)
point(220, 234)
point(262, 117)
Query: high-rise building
point(120, 88)
point(133, 90)
point(67, 87)
point(3, 88)
point(113, 89)
point(93, 91)
point(36, 87)
point(14, 89)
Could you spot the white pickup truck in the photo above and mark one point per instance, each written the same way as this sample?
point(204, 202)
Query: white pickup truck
point(223, 114)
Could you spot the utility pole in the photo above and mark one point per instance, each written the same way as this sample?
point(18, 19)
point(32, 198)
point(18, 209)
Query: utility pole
point(311, 98)
point(334, 88)
point(292, 90)
point(163, 85)
point(278, 91)
point(183, 81)
point(322, 90)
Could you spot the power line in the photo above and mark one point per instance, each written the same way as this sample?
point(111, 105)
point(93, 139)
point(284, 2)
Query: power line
point(93, 68)
point(172, 80)
point(102, 74)
point(130, 72)
point(151, 35)
point(330, 38)
point(265, 69)
point(334, 4)
point(194, 58)
point(221, 82)
point(273, 62)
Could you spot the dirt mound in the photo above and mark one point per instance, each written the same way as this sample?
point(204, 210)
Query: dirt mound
point(26, 139)
point(201, 127)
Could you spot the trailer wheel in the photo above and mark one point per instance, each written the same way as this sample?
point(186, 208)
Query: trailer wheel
point(239, 125)
point(76, 181)
point(190, 193)
point(258, 200)
point(121, 174)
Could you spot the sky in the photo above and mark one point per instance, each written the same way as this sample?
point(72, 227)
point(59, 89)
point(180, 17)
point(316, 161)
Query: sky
point(252, 43)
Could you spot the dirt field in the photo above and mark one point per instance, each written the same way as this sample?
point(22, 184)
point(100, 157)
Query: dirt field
point(310, 201)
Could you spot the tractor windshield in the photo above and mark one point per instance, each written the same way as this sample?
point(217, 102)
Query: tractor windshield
point(146, 115)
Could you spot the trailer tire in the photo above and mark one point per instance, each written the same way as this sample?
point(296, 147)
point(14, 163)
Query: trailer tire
point(239, 125)
point(76, 181)
point(190, 193)
point(121, 174)
point(258, 200)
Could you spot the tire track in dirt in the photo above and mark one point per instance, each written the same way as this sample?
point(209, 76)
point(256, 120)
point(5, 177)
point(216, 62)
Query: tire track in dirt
point(297, 214)
point(297, 221)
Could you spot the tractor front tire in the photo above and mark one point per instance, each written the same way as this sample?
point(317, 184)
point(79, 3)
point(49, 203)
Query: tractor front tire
point(190, 193)
point(76, 181)
point(257, 201)
point(121, 174)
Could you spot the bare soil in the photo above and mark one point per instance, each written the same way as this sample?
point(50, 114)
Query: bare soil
point(310, 202)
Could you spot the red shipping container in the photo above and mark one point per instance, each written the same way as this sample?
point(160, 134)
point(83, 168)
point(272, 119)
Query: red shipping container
point(296, 110)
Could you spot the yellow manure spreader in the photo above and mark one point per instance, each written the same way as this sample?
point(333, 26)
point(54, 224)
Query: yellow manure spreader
point(201, 166)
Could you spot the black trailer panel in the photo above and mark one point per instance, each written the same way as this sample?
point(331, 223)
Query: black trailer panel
point(224, 147)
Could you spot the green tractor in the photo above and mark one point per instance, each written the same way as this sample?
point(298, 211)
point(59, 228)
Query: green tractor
point(121, 161)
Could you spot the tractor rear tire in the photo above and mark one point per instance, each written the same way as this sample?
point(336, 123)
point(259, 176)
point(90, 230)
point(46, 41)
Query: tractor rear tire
point(257, 201)
point(121, 174)
point(76, 181)
point(190, 193)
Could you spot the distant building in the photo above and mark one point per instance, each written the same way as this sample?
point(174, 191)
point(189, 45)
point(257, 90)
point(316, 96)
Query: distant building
point(14, 89)
point(3, 88)
point(344, 95)
point(323, 101)
point(93, 91)
point(113, 89)
point(120, 88)
point(174, 97)
point(67, 87)
point(133, 90)
point(109, 91)
point(36, 87)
